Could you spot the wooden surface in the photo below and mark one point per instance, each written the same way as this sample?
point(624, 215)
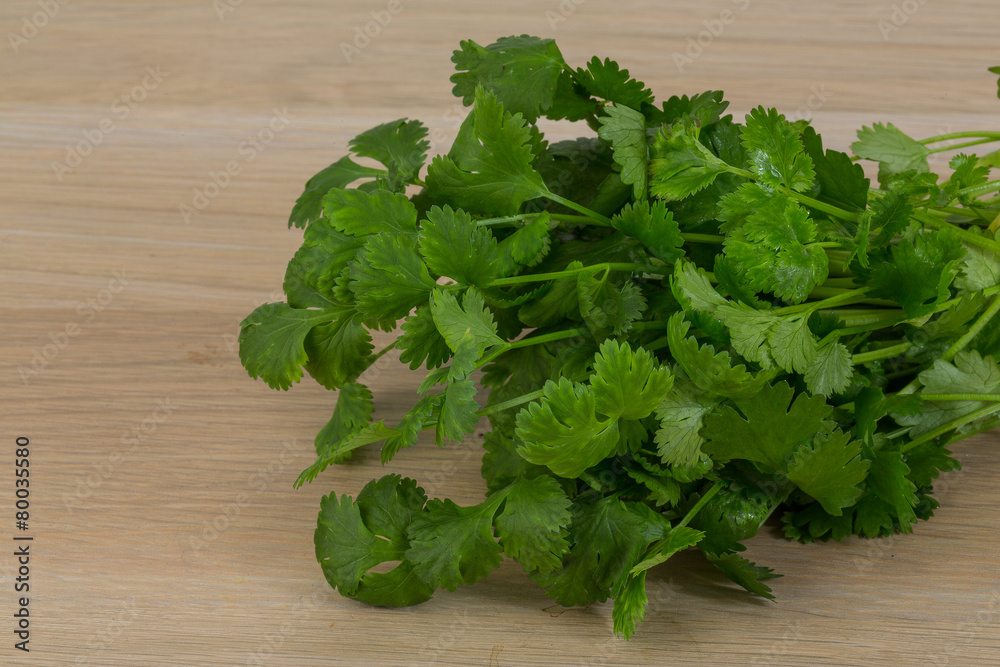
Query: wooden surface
point(146, 432)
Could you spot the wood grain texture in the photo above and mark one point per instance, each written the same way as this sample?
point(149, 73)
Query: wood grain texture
point(166, 529)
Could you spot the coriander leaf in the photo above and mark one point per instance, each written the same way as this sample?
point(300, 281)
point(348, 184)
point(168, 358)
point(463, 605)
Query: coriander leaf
point(421, 342)
point(680, 164)
point(839, 180)
point(472, 318)
point(494, 176)
point(521, 71)
point(458, 412)
point(559, 302)
point(653, 225)
point(452, 545)
point(372, 433)
point(533, 523)
point(917, 272)
point(501, 462)
point(352, 537)
point(388, 278)
point(980, 269)
point(313, 270)
point(454, 246)
point(625, 129)
point(745, 573)
point(339, 351)
point(272, 342)
point(927, 461)
point(750, 330)
point(678, 539)
point(526, 246)
point(409, 427)
point(340, 174)
point(704, 109)
point(606, 537)
point(562, 431)
point(353, 412)
point(401, 145)
point(693, 290)
point(731, 516)
point(895, 151)
point(776, 152)
point(830, 372)
point(608, 81)
point(681, 414)
point(606, 309)
point(889, 496)
point(890, 216)
point(630, 605)
point(628, 384)
point(712, 373)
point(770, 428)
point(361, 213)
point(969, 373)
point(793, 345)
point(571, 100)
point(830, 470)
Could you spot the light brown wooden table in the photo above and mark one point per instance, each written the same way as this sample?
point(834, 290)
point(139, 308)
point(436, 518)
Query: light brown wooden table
point(145, 431)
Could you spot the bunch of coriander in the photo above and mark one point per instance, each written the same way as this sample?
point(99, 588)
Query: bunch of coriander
point(682, 324)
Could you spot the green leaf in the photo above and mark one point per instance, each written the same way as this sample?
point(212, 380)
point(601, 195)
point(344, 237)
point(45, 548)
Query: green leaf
point(454, 246)
point(630, 605)
point(654, 226)
point(830, 470)
point(471, 318)
point(607, 537)
point(840, 181)
point(526, 246)
point(315, 267)
point(889, 497)
point(308, 207)
point(388, 278)
point(731, 516)
point(776, 152)
point(452, 545)
point(769, 429)
point(980, 269)
point(681, 415)
point(360, 213)
point(710, 372)
point(493, 175)
point(628, 384)
point(606, 309)
point(894, 151)
point(968, 373)
point(533, 523)
point(625, 129)
point(745, 573)
point(338, 352)
point(409, 427)
point(401, 145)
point(606, 80)
point(916, 273)
point(458, 412)
point(338, 451)
point(677, 539)
point(521, 71)
point(353, 412)
point(681, 165)
point(831, 371)
point(421, 343)
point(352, 537)
point(272, 342)
point(562, 431)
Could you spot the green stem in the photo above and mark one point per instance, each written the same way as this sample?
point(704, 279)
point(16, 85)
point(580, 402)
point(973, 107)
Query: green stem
point(960, 135)
point(829, 209)
point(977, 190)
point(485, 222)
point(533, 340)
point(966, 144)
point(712, 490)
point(838, 297)
point(512, 403)
point(960, 397)
point(555, 275)
point(578, 208)
point(702, 238)
point(983, 320)
point(883, 353)
point(965, 234)
point(576, 219)
point(953, 424)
